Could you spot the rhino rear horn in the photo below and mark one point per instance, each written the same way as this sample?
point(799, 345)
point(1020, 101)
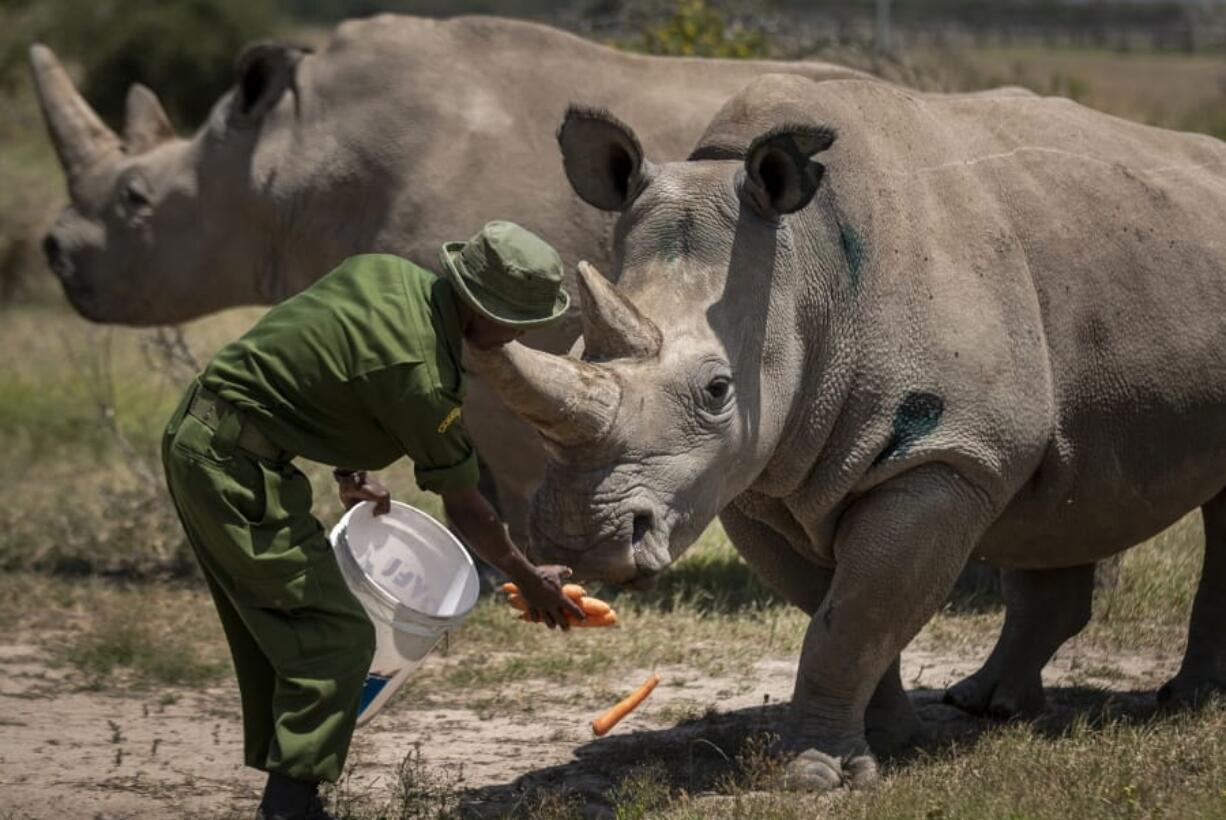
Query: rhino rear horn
point(602, 157)
point(613, 328)
point(78, 134)
point(264, 71)
point(146, 124)
point(780, 176)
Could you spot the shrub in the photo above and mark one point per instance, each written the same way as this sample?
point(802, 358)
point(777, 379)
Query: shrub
point(697, 29)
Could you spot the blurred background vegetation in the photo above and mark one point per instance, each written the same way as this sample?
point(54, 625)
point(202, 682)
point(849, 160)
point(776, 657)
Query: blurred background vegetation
point(85, 404)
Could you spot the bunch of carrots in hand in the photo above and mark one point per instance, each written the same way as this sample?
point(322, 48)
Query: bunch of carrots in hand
point(598, 612)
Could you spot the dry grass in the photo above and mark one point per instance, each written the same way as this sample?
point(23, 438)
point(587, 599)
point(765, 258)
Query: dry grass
point(1181, 91)
point(122, 638)
point(1115, 767)
point(1166, 767)
point(88, 405)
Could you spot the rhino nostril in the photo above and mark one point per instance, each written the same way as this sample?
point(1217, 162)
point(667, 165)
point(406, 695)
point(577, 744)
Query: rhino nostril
point(642, 526)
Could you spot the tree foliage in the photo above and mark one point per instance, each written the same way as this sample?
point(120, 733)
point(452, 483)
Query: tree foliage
point(185, 48)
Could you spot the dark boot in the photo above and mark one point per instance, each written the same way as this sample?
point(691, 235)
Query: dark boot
point(289, 799)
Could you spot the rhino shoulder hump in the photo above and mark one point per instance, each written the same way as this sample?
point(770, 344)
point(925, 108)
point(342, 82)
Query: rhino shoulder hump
point(362, 31)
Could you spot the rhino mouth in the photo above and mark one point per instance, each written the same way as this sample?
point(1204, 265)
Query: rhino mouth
point(79, 293)
point(629, 557)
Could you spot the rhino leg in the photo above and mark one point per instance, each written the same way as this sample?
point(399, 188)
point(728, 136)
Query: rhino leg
point(1043, 609)
point(891, 722)
point(1203, 670)
point(899, 549)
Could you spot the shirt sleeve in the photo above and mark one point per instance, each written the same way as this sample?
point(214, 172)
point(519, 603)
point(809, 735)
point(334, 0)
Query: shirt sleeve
point(427, 421)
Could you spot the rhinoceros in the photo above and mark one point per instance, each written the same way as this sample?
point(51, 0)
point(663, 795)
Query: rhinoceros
point(879, 334)
point(402, 133)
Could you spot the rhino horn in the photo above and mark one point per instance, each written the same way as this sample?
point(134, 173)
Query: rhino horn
point(79, 136)
point(146, 124)
point(570, 402)
point(613, 328)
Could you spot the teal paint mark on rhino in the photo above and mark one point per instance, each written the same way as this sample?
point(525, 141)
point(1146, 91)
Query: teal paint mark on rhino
point(853, 251)
point(675, 238)
point(917, 416)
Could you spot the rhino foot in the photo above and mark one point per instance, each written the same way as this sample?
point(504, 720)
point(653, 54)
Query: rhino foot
point(998, 699)
point(1189, 691)
point(815, 771)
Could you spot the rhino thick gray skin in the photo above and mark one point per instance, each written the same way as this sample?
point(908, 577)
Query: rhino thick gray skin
point(401, 134)
point(979, 327)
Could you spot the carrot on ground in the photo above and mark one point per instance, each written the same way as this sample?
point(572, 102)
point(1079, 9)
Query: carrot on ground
point(611, 718)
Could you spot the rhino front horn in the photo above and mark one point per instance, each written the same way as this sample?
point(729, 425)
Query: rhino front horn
point(613, 328)
point(568, 401)
point(79, 136)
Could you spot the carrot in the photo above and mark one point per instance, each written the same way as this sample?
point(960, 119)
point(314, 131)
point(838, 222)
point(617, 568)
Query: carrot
point(609, 719)
point(608, 619)
point(597, 611)
point(590, 606)
point(572, 591)
point(594, 606)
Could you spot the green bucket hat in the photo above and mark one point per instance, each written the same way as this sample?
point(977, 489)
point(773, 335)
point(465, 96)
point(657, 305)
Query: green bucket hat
point(508, 275)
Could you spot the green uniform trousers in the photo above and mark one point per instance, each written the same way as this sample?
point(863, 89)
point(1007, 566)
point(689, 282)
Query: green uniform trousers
point(300, 640)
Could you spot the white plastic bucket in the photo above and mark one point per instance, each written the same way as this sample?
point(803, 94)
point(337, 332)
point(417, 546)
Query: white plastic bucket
point(415, 581)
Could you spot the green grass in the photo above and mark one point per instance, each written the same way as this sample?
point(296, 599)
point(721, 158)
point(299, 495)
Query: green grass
point(1165, 767)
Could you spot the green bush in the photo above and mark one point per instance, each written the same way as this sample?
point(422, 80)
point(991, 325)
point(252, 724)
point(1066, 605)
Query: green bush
point(697, 29)
point(183, 48)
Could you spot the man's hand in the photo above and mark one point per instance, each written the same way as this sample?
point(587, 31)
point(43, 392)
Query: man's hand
point(541, 588)
point(354, 486)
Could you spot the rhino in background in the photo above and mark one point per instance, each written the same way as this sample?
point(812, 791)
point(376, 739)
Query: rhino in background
point(401, 134)
point(978, 327)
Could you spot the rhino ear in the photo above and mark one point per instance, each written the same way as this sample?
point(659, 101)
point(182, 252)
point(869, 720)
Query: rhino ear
point(602, 157)
point(145, 122)
point(265, 69)
point(780, 176)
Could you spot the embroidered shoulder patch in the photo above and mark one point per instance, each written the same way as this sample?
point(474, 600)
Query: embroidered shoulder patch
point(451, 419)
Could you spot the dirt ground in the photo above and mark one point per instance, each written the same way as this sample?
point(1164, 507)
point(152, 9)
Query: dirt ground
point(68, 753)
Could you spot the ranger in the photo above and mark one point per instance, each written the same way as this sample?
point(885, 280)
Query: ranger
point(361, 368)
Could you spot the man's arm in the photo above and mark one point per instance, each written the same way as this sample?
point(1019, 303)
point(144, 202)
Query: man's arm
point(541, 587)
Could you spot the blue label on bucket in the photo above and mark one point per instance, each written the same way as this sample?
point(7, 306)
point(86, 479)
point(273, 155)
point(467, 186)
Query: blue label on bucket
point(371, 689)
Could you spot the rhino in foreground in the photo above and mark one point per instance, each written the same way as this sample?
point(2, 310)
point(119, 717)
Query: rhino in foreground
point(402, 133)
point(978, 328)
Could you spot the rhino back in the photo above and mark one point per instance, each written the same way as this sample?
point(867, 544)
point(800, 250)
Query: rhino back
point(409, 131)
point(1054, 277)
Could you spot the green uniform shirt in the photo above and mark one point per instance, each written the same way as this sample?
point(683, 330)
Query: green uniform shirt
point(359, 369)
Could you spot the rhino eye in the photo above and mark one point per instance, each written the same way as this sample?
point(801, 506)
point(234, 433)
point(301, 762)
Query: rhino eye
point(719, 390)
point(133, 196)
